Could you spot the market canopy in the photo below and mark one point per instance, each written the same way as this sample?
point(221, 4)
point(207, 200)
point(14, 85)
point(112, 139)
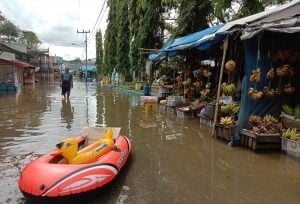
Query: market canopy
point(276, 20)
point(88, 68)
point(201, 40)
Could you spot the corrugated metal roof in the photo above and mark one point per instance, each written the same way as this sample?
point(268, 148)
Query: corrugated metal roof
point(269, 15)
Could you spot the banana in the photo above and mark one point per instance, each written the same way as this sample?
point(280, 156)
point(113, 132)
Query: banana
point(291, 133)
point(226, 121)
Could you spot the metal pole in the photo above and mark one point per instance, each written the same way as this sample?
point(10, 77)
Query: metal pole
point(85, 57)
point(85, 32)
point(219, 84)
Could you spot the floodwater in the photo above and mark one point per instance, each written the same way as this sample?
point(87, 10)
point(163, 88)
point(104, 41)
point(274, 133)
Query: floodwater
point(173, 161)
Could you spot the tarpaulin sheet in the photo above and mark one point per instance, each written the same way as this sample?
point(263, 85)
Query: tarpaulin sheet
point(89, 68)
point(201, 40)
point(264, 105)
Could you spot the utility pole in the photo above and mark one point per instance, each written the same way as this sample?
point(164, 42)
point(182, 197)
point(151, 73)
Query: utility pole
point(85, 32)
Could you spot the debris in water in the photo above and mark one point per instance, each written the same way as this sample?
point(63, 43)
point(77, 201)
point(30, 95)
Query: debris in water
point(126, 188)
point(173, 136)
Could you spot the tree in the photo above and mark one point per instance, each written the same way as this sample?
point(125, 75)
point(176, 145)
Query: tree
point(31, 39)
point(193, 16)
point(99, 53)
point(110, 45)
point(146, 26)
point(9, 30)
point(123, 33)
point(134, 26)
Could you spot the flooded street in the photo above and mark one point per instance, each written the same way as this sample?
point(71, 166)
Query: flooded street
point(173, 160)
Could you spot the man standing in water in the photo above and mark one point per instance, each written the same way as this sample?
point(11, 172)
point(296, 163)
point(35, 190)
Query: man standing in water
point(66, 83)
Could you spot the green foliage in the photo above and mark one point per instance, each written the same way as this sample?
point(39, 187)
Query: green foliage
point(193, 16)
point(110, 45)
point(250, 7)
point(31, 39)
point(122, 22)
point(288, 109)
point(297, 112)
point(149, 31)
point(220, 7)
point(99, 53)
point(9, 30)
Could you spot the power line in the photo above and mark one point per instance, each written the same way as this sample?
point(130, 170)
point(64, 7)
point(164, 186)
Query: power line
point(93, 35)
point(93, 30)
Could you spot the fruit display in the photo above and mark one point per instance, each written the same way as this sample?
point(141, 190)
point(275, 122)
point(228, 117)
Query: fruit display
point(206, 72)
point(207, 85)
point(255, 94)
point(289, 89)
point(267, 124)
point(230, 65)
point(255, 76)
point(291, 133)
point(205, 92)
point(187, 82)
point(268, 92)
point(179, 79)
point(271, 74)
point(230, 108)
point(280, 55)
point(278, 92)
point(291, 72)
point(198, 84)
point(292, 111)
point(284, 70)
point(228, 89)
point(227, 121)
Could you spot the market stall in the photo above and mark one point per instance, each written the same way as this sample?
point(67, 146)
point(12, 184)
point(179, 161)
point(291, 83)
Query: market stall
point(270, 86)
point(188, 72)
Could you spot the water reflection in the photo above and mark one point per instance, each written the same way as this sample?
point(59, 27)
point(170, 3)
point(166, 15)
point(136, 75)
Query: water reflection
point(134, 101)
point(148, 120)
point(67, 112)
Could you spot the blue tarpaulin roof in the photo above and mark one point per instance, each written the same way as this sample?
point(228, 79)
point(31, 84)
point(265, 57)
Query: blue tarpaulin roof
point(90, 68)
point(201, 40)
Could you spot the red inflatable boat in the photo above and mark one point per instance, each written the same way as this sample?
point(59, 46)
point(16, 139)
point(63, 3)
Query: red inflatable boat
point(48, 176)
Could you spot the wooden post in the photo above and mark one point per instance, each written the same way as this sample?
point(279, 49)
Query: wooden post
point(219, 84)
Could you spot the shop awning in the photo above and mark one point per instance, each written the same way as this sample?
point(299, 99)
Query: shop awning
point(201, 40)
point(15, 62)
point(291, 25)
point(89, 68)
point(273, 20)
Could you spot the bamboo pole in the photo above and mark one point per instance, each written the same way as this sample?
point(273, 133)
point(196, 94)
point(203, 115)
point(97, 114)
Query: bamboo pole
point(219, 84)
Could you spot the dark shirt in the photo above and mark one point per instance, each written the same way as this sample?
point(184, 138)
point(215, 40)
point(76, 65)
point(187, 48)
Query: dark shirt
point(66, 77)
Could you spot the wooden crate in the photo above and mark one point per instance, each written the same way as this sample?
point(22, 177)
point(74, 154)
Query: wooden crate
point(225, 132)
point(291, 147)
point(256, 141)
point(290, 121)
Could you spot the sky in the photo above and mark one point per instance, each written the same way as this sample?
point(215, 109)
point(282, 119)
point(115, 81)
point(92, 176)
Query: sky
point(56, 23)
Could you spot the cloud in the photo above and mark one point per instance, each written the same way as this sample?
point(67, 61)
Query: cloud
point(56, 21)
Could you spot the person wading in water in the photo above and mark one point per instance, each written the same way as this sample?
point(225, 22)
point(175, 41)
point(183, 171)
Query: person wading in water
point(66, 83)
